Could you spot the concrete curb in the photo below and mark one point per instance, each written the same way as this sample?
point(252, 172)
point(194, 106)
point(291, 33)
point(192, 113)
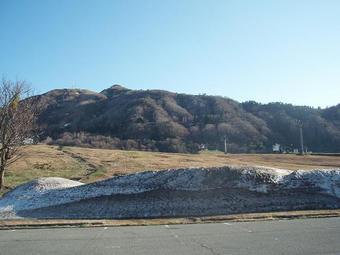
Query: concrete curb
point(35, 223)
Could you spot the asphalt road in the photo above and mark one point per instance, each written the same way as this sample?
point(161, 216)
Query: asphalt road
point(303, 236)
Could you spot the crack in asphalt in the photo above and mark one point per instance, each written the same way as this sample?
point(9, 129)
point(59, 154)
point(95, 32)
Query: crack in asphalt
point(208, 248)
point(211, 250)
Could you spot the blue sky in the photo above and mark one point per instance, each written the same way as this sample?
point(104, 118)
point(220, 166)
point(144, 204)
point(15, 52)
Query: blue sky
point(277, 50)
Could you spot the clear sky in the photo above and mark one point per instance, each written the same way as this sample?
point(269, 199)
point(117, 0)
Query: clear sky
point(279, 50)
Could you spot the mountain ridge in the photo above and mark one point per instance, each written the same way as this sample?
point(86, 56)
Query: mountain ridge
point(159, 120)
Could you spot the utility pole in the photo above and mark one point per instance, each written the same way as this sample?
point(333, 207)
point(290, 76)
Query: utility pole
point(225, 144)
point(301, 137)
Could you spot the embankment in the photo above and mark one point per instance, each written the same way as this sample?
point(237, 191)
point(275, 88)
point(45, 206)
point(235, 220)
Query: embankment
point(176, 193)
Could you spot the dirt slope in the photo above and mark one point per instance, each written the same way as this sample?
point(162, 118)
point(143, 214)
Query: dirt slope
point(88, 165)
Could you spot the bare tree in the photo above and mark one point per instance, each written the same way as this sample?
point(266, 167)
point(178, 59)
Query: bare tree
point(18, 113)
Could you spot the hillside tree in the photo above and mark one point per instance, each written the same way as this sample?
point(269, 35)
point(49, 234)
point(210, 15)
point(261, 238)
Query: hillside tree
point(18, 112)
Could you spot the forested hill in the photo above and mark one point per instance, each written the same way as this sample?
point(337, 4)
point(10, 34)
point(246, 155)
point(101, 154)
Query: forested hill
point(165, 121)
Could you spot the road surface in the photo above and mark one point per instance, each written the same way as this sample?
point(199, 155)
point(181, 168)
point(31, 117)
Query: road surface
point(301, 236)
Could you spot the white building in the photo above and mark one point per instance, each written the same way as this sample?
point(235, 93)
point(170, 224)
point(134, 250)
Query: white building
point(276, 147)
point(28, 141)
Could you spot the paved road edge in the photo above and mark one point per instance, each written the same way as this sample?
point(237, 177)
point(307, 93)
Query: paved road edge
point(62, 223)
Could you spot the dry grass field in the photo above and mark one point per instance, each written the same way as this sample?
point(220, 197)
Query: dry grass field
point(89, 165)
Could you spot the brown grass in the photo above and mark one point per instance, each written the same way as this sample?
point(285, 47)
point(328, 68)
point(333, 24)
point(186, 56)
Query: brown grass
point(88, 165)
